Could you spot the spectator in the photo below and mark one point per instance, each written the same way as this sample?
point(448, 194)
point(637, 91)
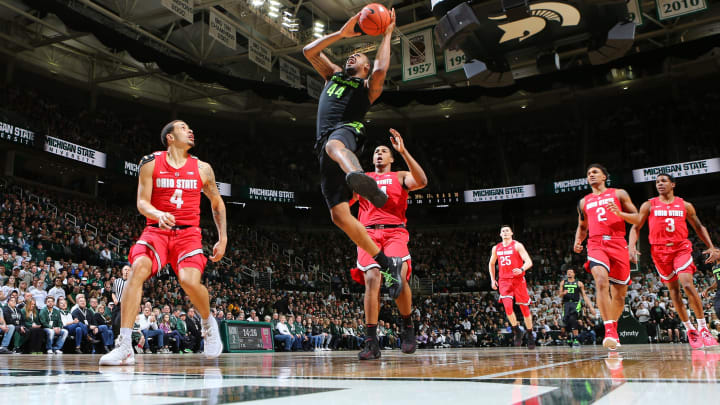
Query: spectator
point(33, 342)
point(13, 316)
point(170, 335)
point(149, 329)
point(194, 334)
point(51, 322)
point(57, 290)
point(72, 324)
point(283, 333)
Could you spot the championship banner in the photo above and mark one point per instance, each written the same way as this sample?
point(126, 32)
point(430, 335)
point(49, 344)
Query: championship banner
point(454, 60)
point(225, 189)
point(15, 134)
point(418, 55)
point(667, 9)
point(635, 11)
point(314, 87)
point(183, 8)
point(223, 30)
point(260, 54)
point(503, 193)
point(685, 169)
point(565, 186)
point(290, 74)
point(262, 194)
point(75, 152)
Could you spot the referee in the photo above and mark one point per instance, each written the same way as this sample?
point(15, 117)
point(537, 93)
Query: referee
point(117, 291)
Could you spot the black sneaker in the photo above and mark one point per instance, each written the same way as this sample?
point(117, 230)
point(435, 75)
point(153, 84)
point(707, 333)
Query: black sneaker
point(392, 277)
point(530, 339)
point(371, 350)
point(367, 187)
point(518, 336)
point(409, 342)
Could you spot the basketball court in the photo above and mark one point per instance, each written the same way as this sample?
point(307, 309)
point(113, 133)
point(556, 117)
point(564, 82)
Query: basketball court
point(559, 375)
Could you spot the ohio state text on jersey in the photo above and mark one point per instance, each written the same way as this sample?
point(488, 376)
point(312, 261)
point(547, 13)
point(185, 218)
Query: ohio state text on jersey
point(667, 222)
point(393, 212)
point(177, 191)
point(601, 221)
point(508, 259)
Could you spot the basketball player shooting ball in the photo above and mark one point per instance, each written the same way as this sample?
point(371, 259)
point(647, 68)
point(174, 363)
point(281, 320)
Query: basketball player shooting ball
point(169, 188)
point(346, 98)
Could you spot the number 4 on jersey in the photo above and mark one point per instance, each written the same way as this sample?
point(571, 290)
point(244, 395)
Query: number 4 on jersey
point(177, 198)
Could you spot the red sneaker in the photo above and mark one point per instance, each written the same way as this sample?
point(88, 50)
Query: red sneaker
point(612, 340)
point(694, 338)
point(707, 338)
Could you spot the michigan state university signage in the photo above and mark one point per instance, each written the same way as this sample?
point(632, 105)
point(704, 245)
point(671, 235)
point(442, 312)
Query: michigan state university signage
point(73, 151)
point(16, 134)
point(503, 193)
point(684, 169)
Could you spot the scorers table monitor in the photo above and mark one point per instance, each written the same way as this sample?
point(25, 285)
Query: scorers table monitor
point(244, 337)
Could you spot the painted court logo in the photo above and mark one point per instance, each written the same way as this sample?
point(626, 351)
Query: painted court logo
point(540, 13)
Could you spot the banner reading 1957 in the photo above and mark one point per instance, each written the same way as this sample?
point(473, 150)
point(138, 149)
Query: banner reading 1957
point(418, 55)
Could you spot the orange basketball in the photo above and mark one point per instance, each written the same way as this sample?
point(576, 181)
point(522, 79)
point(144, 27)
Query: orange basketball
point(374, 19)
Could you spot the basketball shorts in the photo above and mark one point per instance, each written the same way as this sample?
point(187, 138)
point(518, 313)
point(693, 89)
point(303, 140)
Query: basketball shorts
point(393, 242)
point(514, 288)
point(612, 254)
point(570, 315)
point(180, 248)
point(673, 260)
point(332, 178)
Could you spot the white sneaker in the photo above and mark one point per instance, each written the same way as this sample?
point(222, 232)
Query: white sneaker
point(121, 355)
point(58, 351)
point(213, 344)
point(50, 352)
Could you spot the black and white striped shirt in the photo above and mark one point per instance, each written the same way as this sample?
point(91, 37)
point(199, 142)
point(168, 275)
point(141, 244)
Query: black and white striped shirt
point(118, 288)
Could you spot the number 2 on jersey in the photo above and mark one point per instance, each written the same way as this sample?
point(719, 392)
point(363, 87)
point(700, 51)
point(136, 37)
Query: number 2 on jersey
point(177, 198)
point(600, 213)
point(335, 90)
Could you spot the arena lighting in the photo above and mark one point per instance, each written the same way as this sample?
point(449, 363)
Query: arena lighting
point(523, 106)
point(302, 207)
point(625, 87)
point(491, 34)
point(257, 3)
point(442, 206)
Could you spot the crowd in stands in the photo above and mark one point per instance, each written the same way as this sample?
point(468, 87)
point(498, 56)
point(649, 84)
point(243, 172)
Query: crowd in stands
point(57, 273)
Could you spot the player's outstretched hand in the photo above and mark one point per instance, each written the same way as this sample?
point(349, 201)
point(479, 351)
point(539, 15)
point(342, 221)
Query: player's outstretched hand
point(391, 27)
point(713, 255)
point(494, 284)
point(348, 30)
point(218, 252)
point(166, 220)
point(578, 248)
point(397, 141)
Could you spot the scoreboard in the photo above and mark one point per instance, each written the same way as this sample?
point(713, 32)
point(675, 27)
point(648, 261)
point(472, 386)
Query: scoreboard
point(443, 198)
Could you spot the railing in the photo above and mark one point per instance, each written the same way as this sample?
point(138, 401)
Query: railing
point(53, 207)
point(113, 240)
point(34, 198)
point(92, 228)
point(70, 218)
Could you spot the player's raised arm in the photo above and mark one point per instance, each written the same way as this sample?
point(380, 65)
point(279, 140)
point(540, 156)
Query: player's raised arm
point(635, 232)
point(491, 267)
point(628, 213)
point(562, 291)
point(701, 231)
point(218, 209)
point(582, 228)
point(144, 195)
point(415, 179)
point(313, 51)
point(382, 62)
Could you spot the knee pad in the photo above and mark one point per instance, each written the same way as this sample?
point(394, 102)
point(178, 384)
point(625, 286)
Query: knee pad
point(525, 310)
point(508, 304)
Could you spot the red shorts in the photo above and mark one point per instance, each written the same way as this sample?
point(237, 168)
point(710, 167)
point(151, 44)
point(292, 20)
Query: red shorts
point(182, 246)
point(514, 288)
point(613, 255)
point(673, 260)
point(393, 242)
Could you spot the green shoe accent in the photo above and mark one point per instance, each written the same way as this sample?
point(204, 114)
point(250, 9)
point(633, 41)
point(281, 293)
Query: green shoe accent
point(389, 279)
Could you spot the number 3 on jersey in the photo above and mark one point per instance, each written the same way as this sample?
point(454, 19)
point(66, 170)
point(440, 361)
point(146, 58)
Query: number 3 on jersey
point(177, 198)
point(670, 224)
point(335, 90)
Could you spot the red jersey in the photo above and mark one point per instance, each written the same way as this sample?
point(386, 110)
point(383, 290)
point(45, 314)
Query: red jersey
point(601, 221)
point(393, 212)
point(177, 191)
point(508, 259)
point(667, 222)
